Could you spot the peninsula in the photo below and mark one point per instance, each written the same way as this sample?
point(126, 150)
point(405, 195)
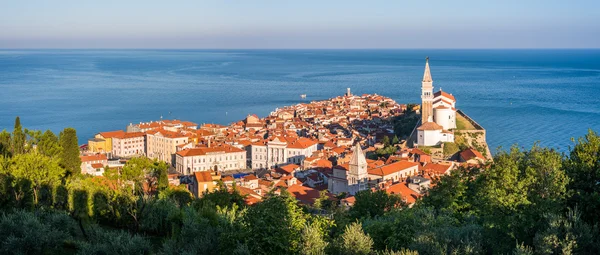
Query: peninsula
point(342, 145)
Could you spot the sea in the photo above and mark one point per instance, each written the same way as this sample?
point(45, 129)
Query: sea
point(519, 96)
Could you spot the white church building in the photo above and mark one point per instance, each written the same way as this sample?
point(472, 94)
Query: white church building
point(352, 177)
point(438, 114)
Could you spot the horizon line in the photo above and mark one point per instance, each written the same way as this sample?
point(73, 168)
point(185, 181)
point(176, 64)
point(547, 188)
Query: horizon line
point(325, 48)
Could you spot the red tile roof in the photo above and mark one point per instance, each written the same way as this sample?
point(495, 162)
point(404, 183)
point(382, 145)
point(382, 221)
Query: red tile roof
point(401, 189)
point(305, 195)
point(93, 157)
point(392, 168)
point(111, 134)
point(203, 176)
point(430, 126)
point(444, 94)
point(471, 153)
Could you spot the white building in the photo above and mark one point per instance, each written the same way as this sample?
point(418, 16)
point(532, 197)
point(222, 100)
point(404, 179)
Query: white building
point(430, 134)
point(352, 177)
point(438, 113)
point(281, 151)
point(93, 164)
point(129, 144)
point(162, 144)
point(220, 158)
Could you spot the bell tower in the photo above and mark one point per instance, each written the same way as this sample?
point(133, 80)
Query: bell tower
point(426, 94)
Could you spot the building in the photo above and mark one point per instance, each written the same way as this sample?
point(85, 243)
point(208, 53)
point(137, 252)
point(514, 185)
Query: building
point(203, 181)
point(129, 145)
point(102, 142)
point(93, 164)
point(280, 151)
point(352, 177)
point(162, 144)
point(171, 125)
point(218, 158)
point(430, 134)
point(394, 172)
point(438, 113)
point(471, 156)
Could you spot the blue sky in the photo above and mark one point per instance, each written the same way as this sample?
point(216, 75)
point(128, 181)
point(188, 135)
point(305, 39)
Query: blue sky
point(300, 24)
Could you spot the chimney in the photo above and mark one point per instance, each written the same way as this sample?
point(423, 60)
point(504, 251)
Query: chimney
point(208, 142)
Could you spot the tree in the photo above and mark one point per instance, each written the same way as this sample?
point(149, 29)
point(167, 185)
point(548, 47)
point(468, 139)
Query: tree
point(373, 203)
point(18, 138)
point(313, 242)
point(354, 241)
point(135, 169)
point(583, 168)
point(395, 140)
point(566, 235)
point(25, 232)
point(49, 145)
point(280, 222)
point(113, 242)
point(386, 141)
point(69, 156)
point(5, 147)
point(39, 169)
point(180, 195)
point(323, 201)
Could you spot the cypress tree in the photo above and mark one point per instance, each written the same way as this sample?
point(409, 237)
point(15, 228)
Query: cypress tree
point(4, 143)
point(18, 138)
point(69, 156)
point(48, 144)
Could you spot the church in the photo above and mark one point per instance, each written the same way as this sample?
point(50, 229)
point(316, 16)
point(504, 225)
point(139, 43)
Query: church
point(438, 113)
point(350, 178)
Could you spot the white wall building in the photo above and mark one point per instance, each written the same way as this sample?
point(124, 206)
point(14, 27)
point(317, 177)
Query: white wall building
point(162, 144)
point(221, 158)
point(129, 144)
point(280, 151)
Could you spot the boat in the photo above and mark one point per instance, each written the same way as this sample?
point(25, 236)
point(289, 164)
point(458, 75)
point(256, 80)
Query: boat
point(303, 96)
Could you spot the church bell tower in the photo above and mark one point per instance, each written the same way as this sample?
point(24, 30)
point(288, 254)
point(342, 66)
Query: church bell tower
point(426, 94)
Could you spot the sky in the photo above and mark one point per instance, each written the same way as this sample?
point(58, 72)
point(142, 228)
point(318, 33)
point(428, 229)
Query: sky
point(275, 24)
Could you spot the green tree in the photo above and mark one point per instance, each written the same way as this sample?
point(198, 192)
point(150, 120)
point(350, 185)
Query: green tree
point(313, 241)
point(159, 175)
point(25, 232)
point(135, 169)
point(395, 140)
point(354, 241)
point(566, 235)
point(583, 168)
point(49, 145)
point(18, 138)
point(180, 195)
point(39, 169)
point(386, 141)
point(372, 204)
point(69, 156)
point(5, 140)
point(280, 221)
point(113, 242)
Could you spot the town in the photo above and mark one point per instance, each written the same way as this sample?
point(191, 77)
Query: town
point(339, 146)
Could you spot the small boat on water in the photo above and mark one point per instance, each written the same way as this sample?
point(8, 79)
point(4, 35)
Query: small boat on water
point(303, 96)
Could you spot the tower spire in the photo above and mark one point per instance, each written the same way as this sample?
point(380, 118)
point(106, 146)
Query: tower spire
point(426, 94)
point(427, 74)
point(358, 157)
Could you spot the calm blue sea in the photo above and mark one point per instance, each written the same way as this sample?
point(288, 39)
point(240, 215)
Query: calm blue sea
point(519, 96)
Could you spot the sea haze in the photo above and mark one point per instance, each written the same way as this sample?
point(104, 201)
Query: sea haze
point(519, 96)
